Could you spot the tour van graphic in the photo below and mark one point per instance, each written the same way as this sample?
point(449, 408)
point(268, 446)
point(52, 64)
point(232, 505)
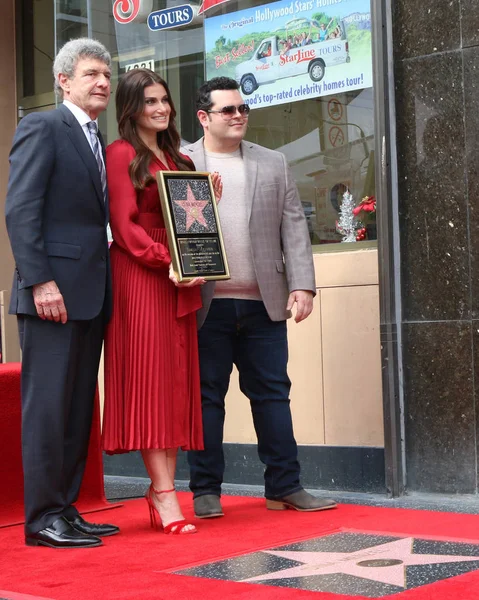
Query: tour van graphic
point(299, 48)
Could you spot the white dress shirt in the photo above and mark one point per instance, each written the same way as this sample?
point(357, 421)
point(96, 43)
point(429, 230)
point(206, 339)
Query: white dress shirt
point(83, 119)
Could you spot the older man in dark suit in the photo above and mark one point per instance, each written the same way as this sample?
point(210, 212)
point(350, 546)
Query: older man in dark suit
point(57, 214)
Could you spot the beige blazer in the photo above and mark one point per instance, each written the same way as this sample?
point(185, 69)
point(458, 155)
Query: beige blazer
point(281, 247)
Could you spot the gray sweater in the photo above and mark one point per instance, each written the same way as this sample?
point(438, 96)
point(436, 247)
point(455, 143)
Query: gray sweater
point(234, 226)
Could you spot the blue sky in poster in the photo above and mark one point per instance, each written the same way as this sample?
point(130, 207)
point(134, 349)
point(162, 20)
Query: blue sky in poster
point(221, 25)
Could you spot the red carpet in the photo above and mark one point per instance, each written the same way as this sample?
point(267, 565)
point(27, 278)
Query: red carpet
point(138, 564)
point(12, 596)
point(11, 478)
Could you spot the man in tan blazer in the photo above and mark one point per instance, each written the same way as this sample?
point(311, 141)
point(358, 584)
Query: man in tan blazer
point(243, 320)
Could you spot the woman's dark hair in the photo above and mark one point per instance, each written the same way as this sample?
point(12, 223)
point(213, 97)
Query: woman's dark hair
point(203, 96)
point(130, 102)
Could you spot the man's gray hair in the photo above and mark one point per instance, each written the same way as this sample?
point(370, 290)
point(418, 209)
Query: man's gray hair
point(67, 58)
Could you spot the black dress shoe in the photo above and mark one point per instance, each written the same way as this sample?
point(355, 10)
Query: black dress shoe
point(61, 534)
point(100, 529)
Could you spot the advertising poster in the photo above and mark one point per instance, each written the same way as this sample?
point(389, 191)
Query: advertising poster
point(291, 50)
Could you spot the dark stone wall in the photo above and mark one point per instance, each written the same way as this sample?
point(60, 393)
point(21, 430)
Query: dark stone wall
point(436, 51)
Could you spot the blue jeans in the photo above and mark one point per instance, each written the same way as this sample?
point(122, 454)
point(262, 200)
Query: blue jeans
point(241, 332)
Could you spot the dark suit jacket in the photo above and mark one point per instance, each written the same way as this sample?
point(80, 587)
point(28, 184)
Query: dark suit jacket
point(56, 216)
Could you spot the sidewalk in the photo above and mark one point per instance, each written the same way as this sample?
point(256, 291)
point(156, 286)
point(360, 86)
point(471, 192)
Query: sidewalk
point(118, 488)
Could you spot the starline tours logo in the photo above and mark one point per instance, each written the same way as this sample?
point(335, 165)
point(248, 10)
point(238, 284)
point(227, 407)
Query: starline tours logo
point(128, 11)
point(297, 57)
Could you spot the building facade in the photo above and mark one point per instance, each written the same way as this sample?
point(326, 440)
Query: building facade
point(353, 93)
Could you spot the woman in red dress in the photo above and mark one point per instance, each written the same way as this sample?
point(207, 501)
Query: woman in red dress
point(152, 389)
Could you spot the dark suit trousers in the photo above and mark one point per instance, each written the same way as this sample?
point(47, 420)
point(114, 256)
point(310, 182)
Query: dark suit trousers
point(59, 376)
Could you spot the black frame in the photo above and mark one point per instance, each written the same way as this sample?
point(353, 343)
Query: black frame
point(199, 252)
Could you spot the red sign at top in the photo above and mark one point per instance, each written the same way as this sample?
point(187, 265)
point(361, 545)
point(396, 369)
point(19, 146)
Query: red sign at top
point(207, 4)
point(127, 11)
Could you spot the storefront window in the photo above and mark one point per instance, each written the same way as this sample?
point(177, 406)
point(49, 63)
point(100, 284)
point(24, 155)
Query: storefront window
point(305, 68)
point(324, 172)
point(71, 20)
point(35, 51)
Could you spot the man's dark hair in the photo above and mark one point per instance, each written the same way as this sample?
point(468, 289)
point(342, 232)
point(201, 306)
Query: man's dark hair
point(203, 96)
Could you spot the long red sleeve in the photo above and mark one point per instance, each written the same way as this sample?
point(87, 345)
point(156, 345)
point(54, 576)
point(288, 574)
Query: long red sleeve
point(127, 233)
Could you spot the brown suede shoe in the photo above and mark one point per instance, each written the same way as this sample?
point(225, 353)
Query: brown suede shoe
point(302, 501)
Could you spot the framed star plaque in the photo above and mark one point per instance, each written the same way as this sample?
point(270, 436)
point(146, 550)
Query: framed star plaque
point(192, 225)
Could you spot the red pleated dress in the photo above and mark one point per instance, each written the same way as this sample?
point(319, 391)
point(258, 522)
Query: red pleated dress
point(152, 385)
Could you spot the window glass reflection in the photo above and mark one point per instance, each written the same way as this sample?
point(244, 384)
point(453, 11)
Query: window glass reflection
point(328, 140)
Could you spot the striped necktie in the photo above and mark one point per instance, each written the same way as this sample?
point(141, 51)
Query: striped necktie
point(95, 142)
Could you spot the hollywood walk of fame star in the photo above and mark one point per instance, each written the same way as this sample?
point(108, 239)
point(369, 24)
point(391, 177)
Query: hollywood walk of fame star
point(385, 563)
point(193, 208)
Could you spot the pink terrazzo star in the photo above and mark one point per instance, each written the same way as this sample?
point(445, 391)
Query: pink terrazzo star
point(385, 563)
point(193, 208)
